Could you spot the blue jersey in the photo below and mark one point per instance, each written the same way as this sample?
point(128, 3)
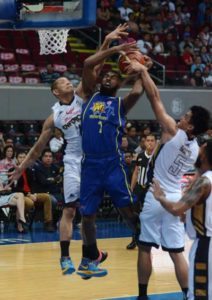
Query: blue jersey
point(103, 121)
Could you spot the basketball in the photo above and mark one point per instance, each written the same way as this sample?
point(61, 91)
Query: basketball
point(130, 56)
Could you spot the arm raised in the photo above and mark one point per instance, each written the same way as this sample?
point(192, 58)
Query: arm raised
point(167, 123)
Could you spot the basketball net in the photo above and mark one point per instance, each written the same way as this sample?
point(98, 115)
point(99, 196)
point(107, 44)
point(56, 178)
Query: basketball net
point(53, 41)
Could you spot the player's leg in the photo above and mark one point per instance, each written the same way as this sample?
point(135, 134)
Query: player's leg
point(144, 269)
point(173, 240)
point(200, 269)
point(91, 194)
point(71, 184)
point(181, 271)
point(66, 230)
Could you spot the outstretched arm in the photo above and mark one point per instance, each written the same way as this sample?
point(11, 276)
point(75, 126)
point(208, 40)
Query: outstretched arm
point(197, 193)
point(167, 123)
point(130, 100)
point(137, 89)
point(89, 77)
point(117, 34)
point(36, 150)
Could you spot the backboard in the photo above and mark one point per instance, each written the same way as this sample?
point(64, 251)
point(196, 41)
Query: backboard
point(38, 14)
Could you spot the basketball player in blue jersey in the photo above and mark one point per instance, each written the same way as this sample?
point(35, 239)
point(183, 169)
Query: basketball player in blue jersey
point(176, 155)
point(197, 201)
point(67, 117)
point(103, 167)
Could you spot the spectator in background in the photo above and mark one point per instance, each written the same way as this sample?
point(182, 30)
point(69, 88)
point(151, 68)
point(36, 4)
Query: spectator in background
point(132, 138)
point(185, 15)
point(128, 158)
point(32, 200)
point(197, 64)
point(17, 200)
point(124, 144)
point(49, 75)
point(207, 77)
point(197, 45)
point(125, 10)
point(158, 47)
point(103, 13)
point(206, 56)
point(204, 35)
point(157, 24)
point(201, 12)
point(48, 177)
point(196, 79)
point(145, 46)
point(72, 75)
point(187, 56)
point(187, 41)
point(8, 160)
point(169, 43)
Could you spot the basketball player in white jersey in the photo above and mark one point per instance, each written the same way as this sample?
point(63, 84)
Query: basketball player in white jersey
point(175, 155)
point(198, 202)
point(67, 117)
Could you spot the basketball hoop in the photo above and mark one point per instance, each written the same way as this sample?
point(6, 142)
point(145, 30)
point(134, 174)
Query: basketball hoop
point(53, 41)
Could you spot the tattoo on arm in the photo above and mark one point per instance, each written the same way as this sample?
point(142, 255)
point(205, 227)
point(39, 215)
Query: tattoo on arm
point(198, 192)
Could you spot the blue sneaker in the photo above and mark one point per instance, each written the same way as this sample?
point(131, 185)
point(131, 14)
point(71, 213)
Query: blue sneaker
point(67, 266)
point(89, 268)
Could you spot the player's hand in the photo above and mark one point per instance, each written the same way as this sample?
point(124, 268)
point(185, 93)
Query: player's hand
point(126, 47)
point(119, 33)
point(148, 61)
point(135, 67)
point(14, 175)
point(157, 190)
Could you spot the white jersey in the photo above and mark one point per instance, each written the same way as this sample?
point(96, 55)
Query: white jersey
point(175, 158)
point(68, 119)
point(199, 217)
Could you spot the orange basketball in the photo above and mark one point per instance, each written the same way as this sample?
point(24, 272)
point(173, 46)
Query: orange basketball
point(130, 56)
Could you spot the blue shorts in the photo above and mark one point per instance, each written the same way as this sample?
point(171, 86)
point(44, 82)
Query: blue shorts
point(100, 175)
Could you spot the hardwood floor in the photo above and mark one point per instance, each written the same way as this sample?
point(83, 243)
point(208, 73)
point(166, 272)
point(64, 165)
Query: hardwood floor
point(32, 271)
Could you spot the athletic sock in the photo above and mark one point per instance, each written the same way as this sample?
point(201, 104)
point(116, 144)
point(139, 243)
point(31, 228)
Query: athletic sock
point(185, 292)
point(90, 251)
point(64, 247)
point(142, 289)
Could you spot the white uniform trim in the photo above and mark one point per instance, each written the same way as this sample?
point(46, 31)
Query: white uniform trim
point(68, 119)
point(158, 227)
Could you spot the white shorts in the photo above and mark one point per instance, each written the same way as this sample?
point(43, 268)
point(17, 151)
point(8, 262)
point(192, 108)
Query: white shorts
point(158, 227)
point(5, 199)
point(71, 178)
point(200, 270)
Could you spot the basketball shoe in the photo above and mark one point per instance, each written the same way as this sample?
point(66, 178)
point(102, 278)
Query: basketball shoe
point(89, 268)
point(67, 266)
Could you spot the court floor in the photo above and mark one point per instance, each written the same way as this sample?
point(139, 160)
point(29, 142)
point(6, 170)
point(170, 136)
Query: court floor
point(29, 268)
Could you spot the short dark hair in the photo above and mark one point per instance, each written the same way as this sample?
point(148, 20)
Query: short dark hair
point(200, 119)
point(208, 151)
point(47, 150)
point(117, 73)
point(54, 84)
point(20, 152)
